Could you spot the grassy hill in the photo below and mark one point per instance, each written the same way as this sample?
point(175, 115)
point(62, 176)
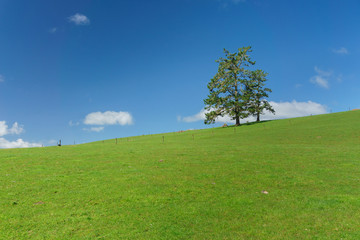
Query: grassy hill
point(203, 184)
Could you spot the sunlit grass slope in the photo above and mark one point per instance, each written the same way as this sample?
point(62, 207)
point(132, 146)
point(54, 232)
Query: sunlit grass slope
point(204, 184)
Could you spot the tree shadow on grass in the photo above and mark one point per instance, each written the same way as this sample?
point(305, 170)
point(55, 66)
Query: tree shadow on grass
point(250, 123)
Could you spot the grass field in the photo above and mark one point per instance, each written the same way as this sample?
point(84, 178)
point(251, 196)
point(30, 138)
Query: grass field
point(201, 184)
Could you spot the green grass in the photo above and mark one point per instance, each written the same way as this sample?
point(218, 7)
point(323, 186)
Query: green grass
point(203, 184)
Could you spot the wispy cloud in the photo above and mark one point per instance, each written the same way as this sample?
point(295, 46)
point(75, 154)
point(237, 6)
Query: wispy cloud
point(282, 110)
point(322, 72)
point(108, 118)
point(322, 78)
point(339, 78)
point(226, 3)
point(79, 19)
point(72, 124)
point(94, 129)
point(53, 30)
point(320, 81)
point(52, 142)
point(342, 51)
point(2, 79)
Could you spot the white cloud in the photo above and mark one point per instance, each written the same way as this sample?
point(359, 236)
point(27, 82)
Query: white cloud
point(53, 30)
point(2, 79)
point(341, 50)
point(295, 109)
point(108, 118)
point(79, 19)
point(94, 129)
point(15, 129)
point(17, 144)
point(322, 78)
point(282, 110)
point(3, 128)
point(194, 118)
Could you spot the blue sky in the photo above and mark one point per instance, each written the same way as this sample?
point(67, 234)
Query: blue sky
point(89, 70)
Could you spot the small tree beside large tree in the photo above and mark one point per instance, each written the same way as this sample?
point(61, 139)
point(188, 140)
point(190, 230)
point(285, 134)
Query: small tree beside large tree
point(235, 90)
point(258, 94)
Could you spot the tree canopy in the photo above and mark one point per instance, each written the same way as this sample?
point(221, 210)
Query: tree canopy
point(235, 90)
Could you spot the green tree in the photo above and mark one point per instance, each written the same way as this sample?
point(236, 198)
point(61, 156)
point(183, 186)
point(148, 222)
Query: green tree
point(229, 90)
point(258, 93)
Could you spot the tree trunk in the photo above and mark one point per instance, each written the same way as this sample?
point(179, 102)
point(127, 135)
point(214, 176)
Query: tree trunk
point(258, 117)
point(237, 121)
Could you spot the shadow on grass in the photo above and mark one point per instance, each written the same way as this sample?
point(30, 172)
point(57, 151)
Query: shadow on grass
point(250, 123)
